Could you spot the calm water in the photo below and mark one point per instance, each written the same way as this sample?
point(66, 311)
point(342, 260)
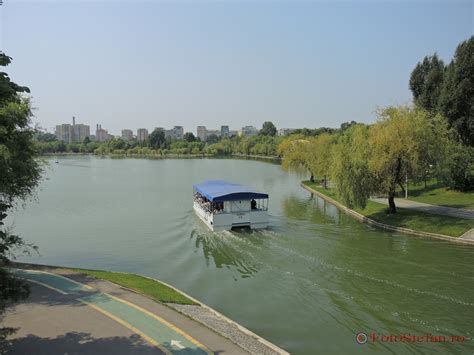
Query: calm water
point(308, 284)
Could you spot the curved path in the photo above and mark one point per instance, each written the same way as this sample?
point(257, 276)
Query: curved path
point(71, 315)
point(425, 207)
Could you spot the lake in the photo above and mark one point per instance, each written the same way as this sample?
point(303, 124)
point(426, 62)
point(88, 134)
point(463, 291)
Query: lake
point(309, 283)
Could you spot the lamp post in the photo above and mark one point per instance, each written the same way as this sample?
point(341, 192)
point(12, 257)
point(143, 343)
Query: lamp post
point(406, 186)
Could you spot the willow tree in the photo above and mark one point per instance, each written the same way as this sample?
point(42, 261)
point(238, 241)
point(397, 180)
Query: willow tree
point(297, 153)
point(350, 169)
point(399, 142)
point(321, 159)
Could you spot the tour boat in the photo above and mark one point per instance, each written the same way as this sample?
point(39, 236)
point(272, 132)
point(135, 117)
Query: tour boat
point(223, 205)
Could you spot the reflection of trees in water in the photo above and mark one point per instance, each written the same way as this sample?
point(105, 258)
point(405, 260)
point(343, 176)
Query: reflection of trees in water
point(313, 209)
point(229, 249)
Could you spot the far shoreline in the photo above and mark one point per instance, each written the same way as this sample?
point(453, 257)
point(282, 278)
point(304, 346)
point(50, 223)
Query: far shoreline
point(263, 158)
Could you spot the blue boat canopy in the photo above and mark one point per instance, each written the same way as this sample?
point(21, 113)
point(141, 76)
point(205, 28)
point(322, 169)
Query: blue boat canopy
point(219, 190)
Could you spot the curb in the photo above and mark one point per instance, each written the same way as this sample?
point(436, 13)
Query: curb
point(370, 221)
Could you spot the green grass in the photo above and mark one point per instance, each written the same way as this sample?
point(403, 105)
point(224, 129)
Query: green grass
point(154, 289)
point(404, 218)
point(436, 194)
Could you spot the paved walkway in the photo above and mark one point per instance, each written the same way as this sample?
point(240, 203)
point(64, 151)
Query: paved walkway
point(425, 207)
point(77, 314)
point(469, 235)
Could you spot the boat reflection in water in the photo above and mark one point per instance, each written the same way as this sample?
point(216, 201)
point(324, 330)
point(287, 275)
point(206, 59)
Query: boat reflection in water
point(234, 250)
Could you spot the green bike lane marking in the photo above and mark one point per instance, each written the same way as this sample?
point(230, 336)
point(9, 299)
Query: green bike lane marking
point(62, 283)
point(150, 326)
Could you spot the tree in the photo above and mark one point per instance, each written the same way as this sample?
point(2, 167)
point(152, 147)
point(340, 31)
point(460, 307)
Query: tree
point(426, 82)
point(456, 100)
point(398, 143)
point(212, 138)
point(189, 137)
point(350, 166)
point(459, 168)
point(20, 174)
point(321, 156)
point(433, 149)
point(44, 136)
point(297, 154)
point(268, 129)
point(86, 140)
point(346, 125)
point(157, 139)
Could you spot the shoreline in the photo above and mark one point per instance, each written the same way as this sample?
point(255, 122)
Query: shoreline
point(167, 156)
point(364, 219)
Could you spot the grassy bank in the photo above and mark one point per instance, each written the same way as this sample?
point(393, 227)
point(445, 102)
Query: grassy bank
point(436, 194)
point(404, 218)
point(152, 288)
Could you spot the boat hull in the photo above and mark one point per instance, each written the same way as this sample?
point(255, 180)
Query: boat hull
point(255, 219)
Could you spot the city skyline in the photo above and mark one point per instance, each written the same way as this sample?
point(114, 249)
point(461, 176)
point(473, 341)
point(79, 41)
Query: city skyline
point(308, 64)
point(76, 132)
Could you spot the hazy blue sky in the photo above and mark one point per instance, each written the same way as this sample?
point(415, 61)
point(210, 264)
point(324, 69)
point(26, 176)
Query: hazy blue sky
point(132, 64)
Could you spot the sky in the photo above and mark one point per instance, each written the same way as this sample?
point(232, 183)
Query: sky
point(133, 64)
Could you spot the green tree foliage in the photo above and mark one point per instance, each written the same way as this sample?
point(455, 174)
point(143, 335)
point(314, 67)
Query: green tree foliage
point(44, 137)
point(426, 82)
point(458, 170)
point(157, 139)
point(398, 146)
point(313, 154)
point(364, 160)
point(321, 160)
point(212, 138)
point(297, 153)
point(20, 174)
point(268, 129)
point(350, 166)
point(433, 148)
point(346, 125)
point(456, 100)
point(189, 137)
point(314, 132)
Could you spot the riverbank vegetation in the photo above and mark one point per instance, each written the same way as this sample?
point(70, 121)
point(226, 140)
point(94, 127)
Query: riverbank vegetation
point(432, 139)
point(419, 221)
point(429, 140)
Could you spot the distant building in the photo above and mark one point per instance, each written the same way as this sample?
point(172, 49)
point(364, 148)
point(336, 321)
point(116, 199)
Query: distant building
point(64, 133)
point(248, 131)
point(102, 135)
point(224, 131)
point(80, 132)
point(201, 133)
point(286, 131)
point(127, 134)
point(75, 133)
point(142, 134)
point(177, 132)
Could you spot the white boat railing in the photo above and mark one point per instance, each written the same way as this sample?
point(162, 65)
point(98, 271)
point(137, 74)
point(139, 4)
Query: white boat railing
point(218, 207)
